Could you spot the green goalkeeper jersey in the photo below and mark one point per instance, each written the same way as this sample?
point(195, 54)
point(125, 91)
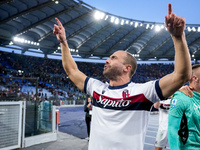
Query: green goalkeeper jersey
point(189, 107)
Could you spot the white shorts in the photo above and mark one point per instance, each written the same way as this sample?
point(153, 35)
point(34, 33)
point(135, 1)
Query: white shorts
point(161, 139)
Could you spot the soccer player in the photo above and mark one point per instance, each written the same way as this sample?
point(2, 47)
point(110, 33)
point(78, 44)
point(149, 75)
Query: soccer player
point(121, 108)
point(184, 122)
point(161, 138)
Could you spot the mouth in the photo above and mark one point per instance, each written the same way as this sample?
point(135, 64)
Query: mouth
point(105, 67)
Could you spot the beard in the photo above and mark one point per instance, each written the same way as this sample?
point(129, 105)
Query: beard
point(112, 73)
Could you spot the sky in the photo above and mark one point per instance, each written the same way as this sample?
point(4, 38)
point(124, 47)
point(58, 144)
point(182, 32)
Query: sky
point(149, 10)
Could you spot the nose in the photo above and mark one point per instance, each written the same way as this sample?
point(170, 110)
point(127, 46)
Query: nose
point(108, 61)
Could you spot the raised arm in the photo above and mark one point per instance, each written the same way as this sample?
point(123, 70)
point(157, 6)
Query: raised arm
point(182, 69)
point(69, 65)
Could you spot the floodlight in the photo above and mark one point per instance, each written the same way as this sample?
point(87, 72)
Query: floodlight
point(102, 15)
point(106, 17)
point(112, 19)
point(136, 24)
point(157, 28)
point(117, 21)
point(15, 39)
point(198, 29)
point(122, 22)
point(189, 29)
point(11, 43)
point(147, 26)
point(194, 29)
point(97, 15)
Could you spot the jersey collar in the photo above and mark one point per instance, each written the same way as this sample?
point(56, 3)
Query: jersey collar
point(119, 87)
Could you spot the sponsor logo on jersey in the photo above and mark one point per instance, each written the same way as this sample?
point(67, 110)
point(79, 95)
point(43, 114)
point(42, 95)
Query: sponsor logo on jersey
point(136, 102)
point(174, 102)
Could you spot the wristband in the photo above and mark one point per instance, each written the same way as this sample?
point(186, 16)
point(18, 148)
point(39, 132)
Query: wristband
point(63, 41)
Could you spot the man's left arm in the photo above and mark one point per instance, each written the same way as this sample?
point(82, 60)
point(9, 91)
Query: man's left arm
point(182, 68)
point(176, 111)
point(172, 134)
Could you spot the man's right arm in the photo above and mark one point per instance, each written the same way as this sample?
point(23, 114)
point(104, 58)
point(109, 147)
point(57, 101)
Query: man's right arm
point(69, 65)
point(156, 105)
point(187, 90)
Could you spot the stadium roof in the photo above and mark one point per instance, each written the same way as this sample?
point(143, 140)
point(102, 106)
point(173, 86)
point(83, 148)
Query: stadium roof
point(28, 24)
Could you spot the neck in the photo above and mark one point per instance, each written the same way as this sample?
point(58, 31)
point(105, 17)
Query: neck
point(195, 87)
point(119, 81)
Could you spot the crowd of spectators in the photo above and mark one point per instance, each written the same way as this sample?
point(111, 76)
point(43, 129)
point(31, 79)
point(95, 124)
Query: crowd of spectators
point(51, 75)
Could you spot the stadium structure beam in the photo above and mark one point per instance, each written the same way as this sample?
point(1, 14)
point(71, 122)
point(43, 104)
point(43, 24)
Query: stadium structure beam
point(124, 37)
point(5, 1)
point(134, 40)
point(111, 35)
point(193, 42)
point(47, 19)
point(77, 32)
point(159, 46)
point(147, 43)
point(37, 7)
point(187, 36)
point(90, 37)
point(71, 21)
point(197, 49)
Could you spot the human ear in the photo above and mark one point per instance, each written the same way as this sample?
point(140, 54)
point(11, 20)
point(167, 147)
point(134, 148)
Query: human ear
point(128, 67)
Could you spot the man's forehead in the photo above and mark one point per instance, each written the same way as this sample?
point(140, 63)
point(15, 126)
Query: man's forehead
point(119, 53)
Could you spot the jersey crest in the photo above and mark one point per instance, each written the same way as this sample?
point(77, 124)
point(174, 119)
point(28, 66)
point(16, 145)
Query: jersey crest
point(125, 93)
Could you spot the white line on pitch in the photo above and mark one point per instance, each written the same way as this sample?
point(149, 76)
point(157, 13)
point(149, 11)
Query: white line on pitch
point(152, 127)
point(149, 144)
point(150, 136)
point(154, 145)
point(152, 131)
point(153, 124)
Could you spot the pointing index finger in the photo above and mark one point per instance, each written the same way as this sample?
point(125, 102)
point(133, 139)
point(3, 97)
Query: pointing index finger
point(169, 9)
point(59, 23)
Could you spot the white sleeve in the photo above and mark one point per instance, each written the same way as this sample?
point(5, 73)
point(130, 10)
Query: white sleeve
point(92, 85)
point(152, 91)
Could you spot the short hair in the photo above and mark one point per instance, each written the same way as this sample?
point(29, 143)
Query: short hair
point(130, 59)
point(194, 67)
